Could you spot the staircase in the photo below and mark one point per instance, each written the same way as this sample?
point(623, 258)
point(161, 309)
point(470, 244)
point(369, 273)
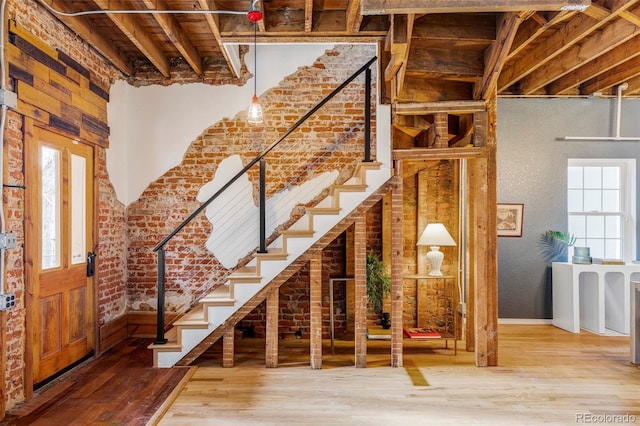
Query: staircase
point(248, 286)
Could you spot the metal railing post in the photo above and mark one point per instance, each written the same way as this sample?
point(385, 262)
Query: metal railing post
point(367, 116)
point(160, 340)
point(263, 207)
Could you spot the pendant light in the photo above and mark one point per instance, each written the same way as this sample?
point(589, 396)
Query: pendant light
point(254, 112)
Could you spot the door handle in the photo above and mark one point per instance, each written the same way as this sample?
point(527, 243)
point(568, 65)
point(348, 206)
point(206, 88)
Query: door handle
point(91, 264)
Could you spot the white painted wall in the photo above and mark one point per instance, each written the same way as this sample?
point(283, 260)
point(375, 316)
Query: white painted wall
point(152, 126)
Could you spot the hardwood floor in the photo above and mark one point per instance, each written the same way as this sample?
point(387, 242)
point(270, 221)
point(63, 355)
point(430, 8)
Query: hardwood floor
point(119, 388)
point(545, 376)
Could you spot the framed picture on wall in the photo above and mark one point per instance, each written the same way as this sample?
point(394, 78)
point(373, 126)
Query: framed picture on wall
point(510, 220)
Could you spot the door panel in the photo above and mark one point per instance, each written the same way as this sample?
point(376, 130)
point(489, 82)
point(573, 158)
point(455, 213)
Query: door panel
point(59, 235)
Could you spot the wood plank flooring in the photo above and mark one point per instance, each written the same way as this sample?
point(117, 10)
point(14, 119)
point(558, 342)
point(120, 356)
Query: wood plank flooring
point(119, 388)
point(545, 376)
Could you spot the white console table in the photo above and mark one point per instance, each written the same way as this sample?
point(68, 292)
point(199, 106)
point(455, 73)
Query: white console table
point(594, 297)
point(635, 322)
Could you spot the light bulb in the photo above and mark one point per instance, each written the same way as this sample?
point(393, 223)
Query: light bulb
point(254, 112)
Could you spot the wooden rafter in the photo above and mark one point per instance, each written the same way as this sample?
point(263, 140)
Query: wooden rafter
point(398, 43)
point(575, 31)
point(379, 7)
point(84, 29)
point(308, 15)
point(354, 18)
point(601, 64)
point(496, 55)
point(130, 26)
point(599, 43)
point(174, 32)
point(531, 29)
point(617, 75)
point(214, 27)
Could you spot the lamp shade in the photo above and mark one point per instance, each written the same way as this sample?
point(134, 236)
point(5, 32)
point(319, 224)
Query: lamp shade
point(435, 234)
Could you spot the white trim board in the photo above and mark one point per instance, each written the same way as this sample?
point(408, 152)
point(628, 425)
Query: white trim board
point(525, 321)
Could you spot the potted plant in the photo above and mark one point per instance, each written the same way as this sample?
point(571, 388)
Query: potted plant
point(378, 286)
point(553, 245)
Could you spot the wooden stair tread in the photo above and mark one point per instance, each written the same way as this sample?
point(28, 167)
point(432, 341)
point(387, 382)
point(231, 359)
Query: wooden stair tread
point(273, 254)
point(350, 188)
point(298, 232)
point(323, 210)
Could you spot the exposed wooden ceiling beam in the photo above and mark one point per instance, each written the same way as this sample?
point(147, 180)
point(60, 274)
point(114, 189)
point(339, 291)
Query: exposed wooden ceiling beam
point(496, 55)
point(354, 18)
point(214, 26)
point(532, 28)
point(398, 43)
point(308, 15)
point(83, 27)
point(174, 32)
point(576, 30)
point(599, 43)
point(612, 77)
point(130, 26)
point(381, 7)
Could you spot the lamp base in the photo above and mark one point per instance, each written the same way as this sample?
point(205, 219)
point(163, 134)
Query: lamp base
point(435, 258)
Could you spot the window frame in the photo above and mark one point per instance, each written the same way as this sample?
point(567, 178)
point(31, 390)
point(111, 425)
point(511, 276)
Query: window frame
point(627, 198)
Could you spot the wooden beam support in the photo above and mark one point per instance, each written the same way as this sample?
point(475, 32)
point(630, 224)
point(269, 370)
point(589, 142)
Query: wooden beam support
point(360, 280)
point(354, 18)
point(496, 55)
point(315, 301)
point(383, 7)
point(398, 43)
point(308, 16)
point(484, 191)
point(451, 107)
point(438, 154)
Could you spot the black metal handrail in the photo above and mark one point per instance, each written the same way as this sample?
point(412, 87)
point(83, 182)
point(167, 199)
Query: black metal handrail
point(159, 248)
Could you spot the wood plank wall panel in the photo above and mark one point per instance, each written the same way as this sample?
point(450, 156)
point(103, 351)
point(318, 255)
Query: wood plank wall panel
point(55, 90)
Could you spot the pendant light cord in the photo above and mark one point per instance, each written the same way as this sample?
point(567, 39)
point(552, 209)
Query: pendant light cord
point(255, 58)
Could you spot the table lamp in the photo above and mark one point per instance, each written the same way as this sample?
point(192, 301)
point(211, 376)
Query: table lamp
point(435, 235)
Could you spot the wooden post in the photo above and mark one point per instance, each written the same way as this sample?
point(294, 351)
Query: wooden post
point(486, 266)
point(271, 343)
point(360, 280)
point(228, 346)
point(397, 290)
point(315, 296)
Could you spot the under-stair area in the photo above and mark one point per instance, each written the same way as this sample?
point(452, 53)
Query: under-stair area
point(219, 311)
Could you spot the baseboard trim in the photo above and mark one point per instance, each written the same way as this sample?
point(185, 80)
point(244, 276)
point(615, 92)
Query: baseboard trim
point(525, 321)
point(113, 332)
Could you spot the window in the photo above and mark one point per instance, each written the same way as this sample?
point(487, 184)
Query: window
point(601, 206)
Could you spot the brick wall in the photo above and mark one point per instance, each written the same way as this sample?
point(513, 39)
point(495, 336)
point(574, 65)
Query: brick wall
point(39, 49)
point(330, 140)
point(441, 205)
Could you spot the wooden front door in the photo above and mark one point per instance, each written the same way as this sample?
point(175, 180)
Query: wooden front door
point(59, 239)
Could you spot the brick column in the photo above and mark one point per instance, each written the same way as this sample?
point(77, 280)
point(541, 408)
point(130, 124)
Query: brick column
point(360, 280)
point(441, 130)
point(271, 338)
point(228, 346)
point(315, 296)
point(397, 291)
